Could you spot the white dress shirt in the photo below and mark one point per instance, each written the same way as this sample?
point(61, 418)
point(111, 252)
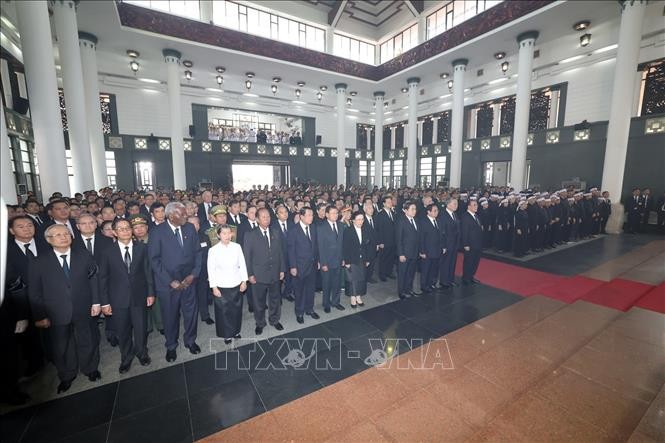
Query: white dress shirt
point(60, 259)
point(306, 228)
point(359, 232)
point(32, 247)
point(122, 249)
point(226, 265)
point(265, 233)
point(92, 241)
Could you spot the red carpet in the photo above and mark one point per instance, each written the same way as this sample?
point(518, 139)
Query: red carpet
point(653, 300)
point(570, 289)
point(618, 294)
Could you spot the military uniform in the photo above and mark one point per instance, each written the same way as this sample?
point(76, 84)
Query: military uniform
point(211, 232)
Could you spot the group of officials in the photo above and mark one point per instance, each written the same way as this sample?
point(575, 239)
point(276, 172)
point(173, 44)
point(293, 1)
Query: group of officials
point(142, 264)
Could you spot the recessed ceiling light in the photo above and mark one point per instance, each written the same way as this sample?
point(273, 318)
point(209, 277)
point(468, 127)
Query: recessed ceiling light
point(214, 90)
point(444, 75)
point(149, 80)
point(353, 93)
point(498, 80)
point(324, 88)
point(571, 59)
point(298, 102)
point(585, 40)
point(220, 69)
point(188, 75)
point(404, 90)
point(581, 26)
point(500, 55)
point(187, 63)
point(132, 53)
point(301, 84)
point(276, 79)
point(249, 74)
point(249, 94)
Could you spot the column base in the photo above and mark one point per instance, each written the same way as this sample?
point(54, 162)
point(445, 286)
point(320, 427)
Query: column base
point(616, 220)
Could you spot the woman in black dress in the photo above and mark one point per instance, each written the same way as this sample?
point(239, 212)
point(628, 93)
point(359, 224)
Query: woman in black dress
point(355, 253)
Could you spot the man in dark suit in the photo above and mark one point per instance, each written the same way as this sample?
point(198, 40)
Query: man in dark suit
point(31, 207)
point(282, 224)
point(634, 209)
point(235, 217)
point(265, 267)
point(329, 236)
point(175, 257)
point(407, 245)
point(647, 207)
point(63, 292)
point(472, 242)
point(204, 210)
point(248, 223)
point(370, 228)
point(450, 225)
point(304, 263)
point(432, 245)
point(385, 228)
point(60, 213)
point(125, 282)
point(148, 201)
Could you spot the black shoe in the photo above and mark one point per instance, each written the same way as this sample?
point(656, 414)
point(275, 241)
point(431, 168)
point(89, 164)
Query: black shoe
point(278, 326)
point(313, 314)
point(161, 331)
point(415, 293)
point(371, 280)
point(65, 385)
point(194, 348)
point(339, 307)
point(466, 282)
point(426, 290)
point(258, 330)
point(300, 319)
point(250, 309)
point(237, 336)
point(209, 321)
point(474, 280)
point(113, 341)
point(392, 277)
point(326, 309)
point(171, 355)
point(94, 375)
point(402, 296)
point(383, 279)
point(124, 368)
point(145, 360)
point(227, 341)
point(443, 287)
point(453, 284)
point(290, 298)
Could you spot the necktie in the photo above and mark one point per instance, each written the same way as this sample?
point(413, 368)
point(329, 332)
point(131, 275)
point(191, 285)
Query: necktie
point(454, 218)
point(128, 258)
point(371, 223)
point(436, 225)
point(334, 226)
point(475, 217)
point(265, 235)
point(65, 266)
point(390, 214)
point(177, 235)
point(413, 223)
point(307, 233)
point(39, 220)
point(28, 252)
point(284, 227)
point(88, 244)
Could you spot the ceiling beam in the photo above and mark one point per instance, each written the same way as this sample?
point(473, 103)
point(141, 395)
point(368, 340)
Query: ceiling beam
point(336, 13)
point(415, 6)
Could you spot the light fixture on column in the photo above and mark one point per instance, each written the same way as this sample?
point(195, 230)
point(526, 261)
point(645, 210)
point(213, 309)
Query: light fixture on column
point(319, 96)
point(276, 79)
point(504, 67)
point(249, 74)
point(450, 85)
point(248, 84)
point(133, 64)
point(353, 93)
point(500, 55)
point(220, 80)
point(404, 90)
point(444, 75)
point(188, 75)
point(585, 40)
point(297, 93)
point(385, 105)
point(349, 101)
point(323, 88)
point(187, 63)
point(581, 25)
point(273, 88)
point(220, 69)
point(301, 84)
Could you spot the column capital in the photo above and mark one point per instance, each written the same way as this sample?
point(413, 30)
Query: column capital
point(624, 3)
point(412, 80)
point(528, 35)
point(73, 4)
point(88, 39)
point(171, 55)
point(340, 86)
point(379, 95)
point(460, 62)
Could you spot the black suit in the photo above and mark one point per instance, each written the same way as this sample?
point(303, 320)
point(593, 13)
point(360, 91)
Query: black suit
point(432, 243)
point(385, 229)
point(232, 222)
point(127, 292)
point(202, 214)
point(265, 263)
point(369, 229)
point(304, 257)
point(66, 302)
point(287, 288)
point(243, 229)
point(451, 227)
point(407, 245)
point(634, 209)
point(472, 237)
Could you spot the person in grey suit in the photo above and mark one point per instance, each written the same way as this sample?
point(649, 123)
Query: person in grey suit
point(266, 266)
point(329, 236)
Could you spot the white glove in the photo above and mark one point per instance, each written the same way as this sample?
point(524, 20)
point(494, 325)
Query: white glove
point(21, 326)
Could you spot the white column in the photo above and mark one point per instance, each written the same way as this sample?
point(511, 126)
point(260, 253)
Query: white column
point(368, 134)
point(330, 40)
point(88, 46)
point(64, 17)
point(378, 138)
point(526, 42)
point(422, 28)
point(37, 47)
point(340, 88)
point(457, 124)
point(623, 88)
point(172, 59)
point(420, 131)
point(205, 8)
point(393, 130)
point(496, 120)
point(8, 183)
point(412, 139)
point(435, 130)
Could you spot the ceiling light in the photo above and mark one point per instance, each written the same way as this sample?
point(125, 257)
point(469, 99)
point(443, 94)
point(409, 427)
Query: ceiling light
point(581, 26)
point(319, 96)
point(220, 80)
point(298, 102)
point(276, 79)
point(152, 91)
point(571, 59)
point(249, 94)
point(467, 89)
point(273, 88)
point(298, 93)
point(301, 84)
point(214, 90)
point(249, 74)
point(324, 88)
point(504, 67)
point(605, 49)
point(500, 55)
point(220, 69)
point(585, 40)
point(148, 80)
point(445, 96)
point(404, 90)
point(450, 84)
point(498, 80)
point(132, 53)
point(388, 113)
point(353, 93)
point(348, 101)
point(134, 66)
point(353, 110)
point(248, 84)
point(444, 75)
point(188, 75)
point(187, 63)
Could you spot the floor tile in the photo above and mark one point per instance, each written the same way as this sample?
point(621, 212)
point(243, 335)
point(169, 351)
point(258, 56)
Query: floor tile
point(652, 425)
point(641, 324)
point(277, 387)
point(207, 372)
point(97, 434)
point(167, 423)
point(348, 328)
point(338, 363)
point(15, 423)
point(262, 428)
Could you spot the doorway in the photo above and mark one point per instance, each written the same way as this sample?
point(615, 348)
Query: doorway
point(498, 173)
point(248, 176)
point(144, 175)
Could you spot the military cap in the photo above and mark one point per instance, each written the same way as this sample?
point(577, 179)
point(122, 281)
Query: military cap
point(138, 220)
point(216, 210)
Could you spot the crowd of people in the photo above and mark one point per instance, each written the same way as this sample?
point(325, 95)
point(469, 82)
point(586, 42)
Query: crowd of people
point(141, 260)
point(247, 134)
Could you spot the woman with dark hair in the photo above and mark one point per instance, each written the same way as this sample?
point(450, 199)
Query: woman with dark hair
point(227, 275)
point(355, 252)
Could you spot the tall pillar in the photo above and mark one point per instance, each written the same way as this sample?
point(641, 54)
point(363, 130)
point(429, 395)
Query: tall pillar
point(172, 59)
point(378, 138)
point(330, 40)
point(623, 88)
point(8, 185)
point(88, 46)
point(64, 16)
point(37, 47)
point(412, 141)
point(340, 88)
point(457, 124)
point(392, 137)
point(422, 28)
point(526, 42)
point(435, 130)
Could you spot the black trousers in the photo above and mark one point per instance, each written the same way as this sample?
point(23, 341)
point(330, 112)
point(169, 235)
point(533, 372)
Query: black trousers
point(304, 289)
point(521, 244)
point(332, 285)
point(369, 271)
point(447, 267)
point(270, 292)
point(75, 345)
point(173, 302)
point(9, 363)
point(471, 262)
point(228, 312)
point(204, 297)
point(429, 271)
point(386, 261)
point(131, 327)
point(405, 274)
point(287, 285)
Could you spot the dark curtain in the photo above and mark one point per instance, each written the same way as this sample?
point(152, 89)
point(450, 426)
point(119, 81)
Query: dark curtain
point(443, 128)
point(485, 121)
point(372, 139)
point(507, 116)
point(386, 137)
point(653, 101)
point(399, 137)
point(361, 137)
point(428, 132)
point(540, 111)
